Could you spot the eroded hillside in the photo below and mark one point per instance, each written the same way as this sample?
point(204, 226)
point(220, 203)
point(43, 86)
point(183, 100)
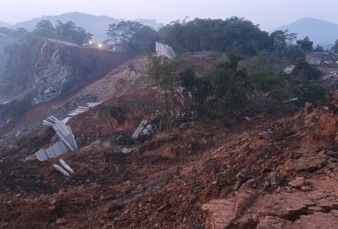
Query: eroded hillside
point(270, 172)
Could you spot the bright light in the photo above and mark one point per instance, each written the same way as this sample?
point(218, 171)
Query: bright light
point(100, 45)
point(90, 42)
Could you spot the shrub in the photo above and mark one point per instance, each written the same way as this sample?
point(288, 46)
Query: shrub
point(313, 94)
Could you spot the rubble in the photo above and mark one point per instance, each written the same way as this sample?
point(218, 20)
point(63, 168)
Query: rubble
point(66, 136)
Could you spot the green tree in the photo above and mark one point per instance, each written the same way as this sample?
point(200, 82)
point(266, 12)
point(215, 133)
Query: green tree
point(44, 28)
point(163, 73)
point(304, 71)
point(334, 49)
point(217, 35)
point(318, 49)
point(280, 43)
point(305, 44)
point(142, 41)
point(69, 29)
point(313, 94)
point(133, 36)
point(220, 91)
point(124, 30)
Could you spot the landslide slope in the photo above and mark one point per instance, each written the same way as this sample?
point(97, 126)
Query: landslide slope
point(270, 172)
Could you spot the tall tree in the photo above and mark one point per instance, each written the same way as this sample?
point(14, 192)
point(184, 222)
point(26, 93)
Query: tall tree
point(163, 72)
point(133, 36)
point(124, 30)
point(77, 34)
point(318, 49)
point(44, 28)
point(334, 49)
point(305, 44)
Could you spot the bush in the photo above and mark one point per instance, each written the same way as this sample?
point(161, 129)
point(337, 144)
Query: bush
point(312, 94)
point(305, 71)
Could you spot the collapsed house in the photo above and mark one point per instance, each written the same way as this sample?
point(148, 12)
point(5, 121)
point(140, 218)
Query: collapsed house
point(321, 59)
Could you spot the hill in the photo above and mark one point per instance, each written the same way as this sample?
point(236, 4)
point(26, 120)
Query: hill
point(4, 24)
point(96, 25)
point(319, 31)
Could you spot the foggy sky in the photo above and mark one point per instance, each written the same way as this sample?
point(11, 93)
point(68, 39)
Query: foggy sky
point(268, 13)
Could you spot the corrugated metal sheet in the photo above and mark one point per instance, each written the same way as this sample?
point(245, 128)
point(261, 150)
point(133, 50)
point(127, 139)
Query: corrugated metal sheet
point(67, 141)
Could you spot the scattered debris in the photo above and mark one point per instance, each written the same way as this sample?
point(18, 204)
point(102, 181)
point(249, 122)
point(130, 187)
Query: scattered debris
point(331, 75)
point(80, 110)
point(143, 129)
point(66, 166)
point(61, 170)
point(291, 100)
point(67, 142)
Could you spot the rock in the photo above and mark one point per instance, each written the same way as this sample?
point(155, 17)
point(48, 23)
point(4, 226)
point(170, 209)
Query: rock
point(270, 222)
point(220, 213)
point(60, 221)
point(285, 205)
point(254, 217)
point(306, 188)
point(298, 182)
point(317, 220)
point(308, 163)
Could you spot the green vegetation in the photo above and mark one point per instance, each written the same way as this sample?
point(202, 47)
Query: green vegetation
point(227, 89)
point(334, 49)
point(69, 30)
point(216, 35)
point(305, 44)
point(163, 73)
point(313, 94)
point(133, 36)
point(318, 49)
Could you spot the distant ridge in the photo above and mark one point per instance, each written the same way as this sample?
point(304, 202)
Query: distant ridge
point(96, 25)
point(319, 31)
point(5, 24)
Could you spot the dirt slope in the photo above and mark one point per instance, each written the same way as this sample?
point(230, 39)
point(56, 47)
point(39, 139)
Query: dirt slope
point(196, 176)
point(270, 172)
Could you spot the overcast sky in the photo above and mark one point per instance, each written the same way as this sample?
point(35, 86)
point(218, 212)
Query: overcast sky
point(268, 13)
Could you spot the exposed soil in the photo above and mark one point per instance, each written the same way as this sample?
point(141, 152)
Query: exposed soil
point(167, 180)
point(270, 172)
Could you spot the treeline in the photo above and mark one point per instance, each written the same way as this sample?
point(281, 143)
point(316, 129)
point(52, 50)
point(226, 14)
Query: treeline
point(210, 35)
point(66, 30)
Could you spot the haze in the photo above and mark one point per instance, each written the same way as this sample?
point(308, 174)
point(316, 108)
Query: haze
point(268, 13)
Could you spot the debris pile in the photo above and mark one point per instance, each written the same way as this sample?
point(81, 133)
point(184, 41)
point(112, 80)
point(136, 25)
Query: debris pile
point(67, 141)
point(331, 75)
